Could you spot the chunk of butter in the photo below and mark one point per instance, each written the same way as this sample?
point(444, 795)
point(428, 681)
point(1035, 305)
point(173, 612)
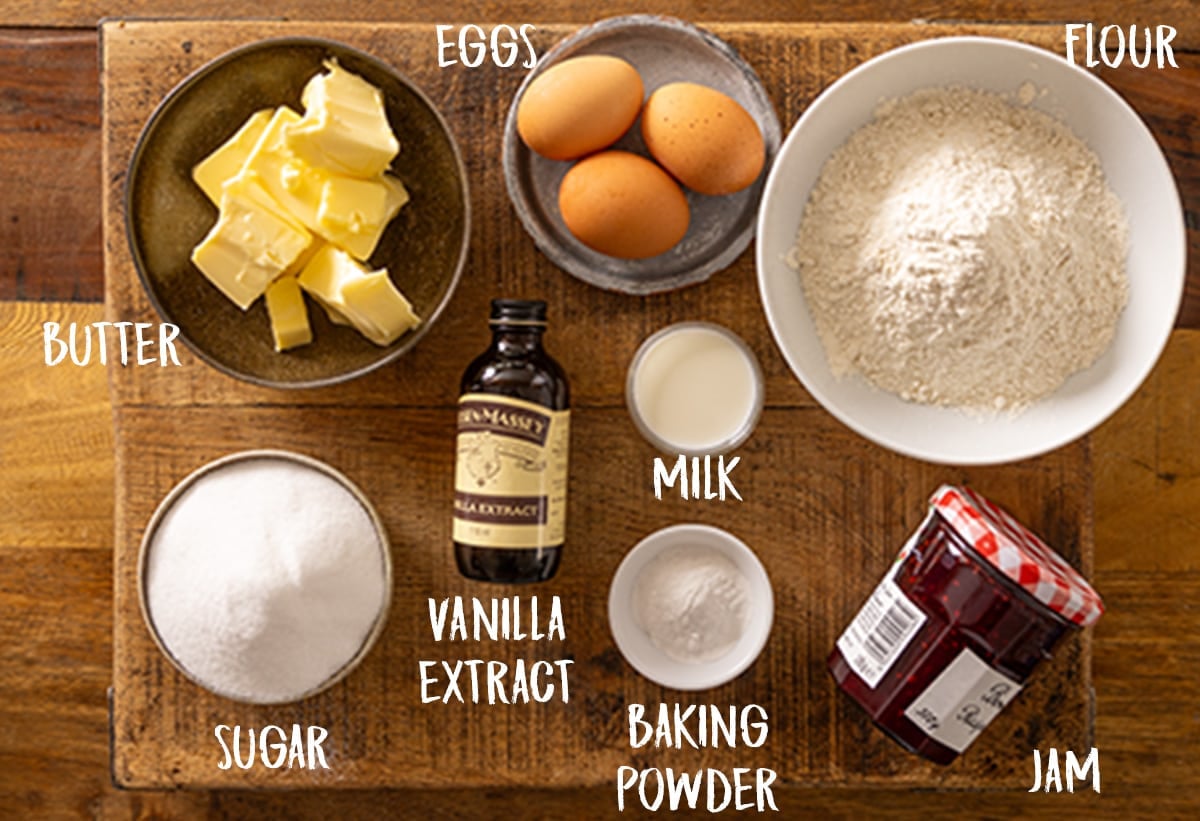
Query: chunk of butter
point(345, 126)
point(376, 301)
point(223, 164)
point(289, 316)
point(305, 257)
point(302, 200)
point(322, 279)
point(366, 298)
point(249, 247)
point(334, 316)
point(353, 213)
point(347, 211)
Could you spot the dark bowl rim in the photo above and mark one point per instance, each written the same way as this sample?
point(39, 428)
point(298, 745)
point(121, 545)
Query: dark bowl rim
point(409, 340)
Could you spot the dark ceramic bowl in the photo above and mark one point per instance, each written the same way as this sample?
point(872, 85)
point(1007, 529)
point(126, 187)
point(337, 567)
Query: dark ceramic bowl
point(166, 214)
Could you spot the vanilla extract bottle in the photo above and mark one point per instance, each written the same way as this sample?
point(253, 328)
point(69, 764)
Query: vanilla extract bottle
point(510, 475)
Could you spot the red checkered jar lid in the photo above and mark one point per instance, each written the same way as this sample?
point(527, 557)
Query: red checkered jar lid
point(1019, 554)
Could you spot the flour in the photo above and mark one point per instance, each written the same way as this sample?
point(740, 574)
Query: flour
point(962, 250)
point(691, 601)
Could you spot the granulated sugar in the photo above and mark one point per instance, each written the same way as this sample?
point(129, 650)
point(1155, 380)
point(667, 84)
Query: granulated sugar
point(963, 250)
point(265, 578)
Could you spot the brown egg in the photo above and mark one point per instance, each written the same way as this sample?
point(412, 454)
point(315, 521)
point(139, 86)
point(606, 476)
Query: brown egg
point(703, 137)
point(623, 205)
point(579, 106)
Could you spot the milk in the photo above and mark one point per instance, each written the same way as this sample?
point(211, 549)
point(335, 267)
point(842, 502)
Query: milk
point(695, 388)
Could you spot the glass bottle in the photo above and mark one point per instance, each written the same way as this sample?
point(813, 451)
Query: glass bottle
point(955, 629)
point(510, 477)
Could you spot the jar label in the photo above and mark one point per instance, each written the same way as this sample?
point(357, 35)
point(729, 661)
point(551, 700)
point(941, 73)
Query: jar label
point(879, 633)
point(961, 701)
point(510, 475)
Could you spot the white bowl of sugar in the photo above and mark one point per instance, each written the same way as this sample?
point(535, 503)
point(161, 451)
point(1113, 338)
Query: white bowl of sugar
point(265, 576)
point(949, 432)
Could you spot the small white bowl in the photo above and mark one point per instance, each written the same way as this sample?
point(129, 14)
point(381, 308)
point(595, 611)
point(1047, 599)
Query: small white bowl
point(1136, 170)
point(635, 645)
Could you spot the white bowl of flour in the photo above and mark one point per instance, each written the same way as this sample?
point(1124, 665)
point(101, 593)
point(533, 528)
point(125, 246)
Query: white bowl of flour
point(1006, 400)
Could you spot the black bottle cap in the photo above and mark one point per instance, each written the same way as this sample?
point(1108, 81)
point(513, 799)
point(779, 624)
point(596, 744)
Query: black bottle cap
point(518, 312)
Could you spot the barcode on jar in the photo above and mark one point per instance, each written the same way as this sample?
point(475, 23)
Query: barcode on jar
point(879, 633)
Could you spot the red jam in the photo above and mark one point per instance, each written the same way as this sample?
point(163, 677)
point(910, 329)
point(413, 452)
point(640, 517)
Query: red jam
point(948, 639)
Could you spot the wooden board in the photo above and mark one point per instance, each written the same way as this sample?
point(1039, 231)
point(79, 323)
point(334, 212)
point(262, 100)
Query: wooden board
point(56, 617)
point(824, 509)
point(87, 12)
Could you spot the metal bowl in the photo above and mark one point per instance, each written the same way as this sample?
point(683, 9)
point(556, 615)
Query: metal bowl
point(215, 466)
point(663, 50)
point(166, 214)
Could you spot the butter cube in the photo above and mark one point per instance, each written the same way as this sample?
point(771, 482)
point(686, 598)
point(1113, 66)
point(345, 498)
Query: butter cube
point(326, 271)
point(345, 126)
point(347, 211)
point(293, 184)
point(376, 302)
point(251, 188)
point(248, 248)
point(397, 194)
point(225, 162)
point(322, 279)
point(289, 316)
point(335, 317)
point(366, 298)
point(305, 257)
point(353, 213)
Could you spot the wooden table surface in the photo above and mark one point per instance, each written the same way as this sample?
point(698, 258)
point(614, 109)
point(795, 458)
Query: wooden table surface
point(56, 453)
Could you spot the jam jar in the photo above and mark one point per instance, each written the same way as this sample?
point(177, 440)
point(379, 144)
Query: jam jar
point(972, 604)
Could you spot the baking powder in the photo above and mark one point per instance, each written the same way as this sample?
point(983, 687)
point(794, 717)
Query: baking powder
point(691, 601)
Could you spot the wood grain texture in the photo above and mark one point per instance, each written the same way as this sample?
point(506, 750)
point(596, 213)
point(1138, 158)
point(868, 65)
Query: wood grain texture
point(53, 669)
point(55, 661)
point(1147, 476)
point(824, 509)
point(87, 12)
point(49, 166)
point(56, 439)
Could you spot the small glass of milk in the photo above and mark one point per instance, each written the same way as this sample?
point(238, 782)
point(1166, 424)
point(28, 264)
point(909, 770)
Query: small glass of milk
point(694, 388)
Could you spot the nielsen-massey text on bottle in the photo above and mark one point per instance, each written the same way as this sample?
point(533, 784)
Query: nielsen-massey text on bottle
point(510, 477)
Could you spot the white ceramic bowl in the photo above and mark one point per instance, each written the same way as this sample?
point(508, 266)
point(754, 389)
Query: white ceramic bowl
point(635, 645)
point(1136, 171)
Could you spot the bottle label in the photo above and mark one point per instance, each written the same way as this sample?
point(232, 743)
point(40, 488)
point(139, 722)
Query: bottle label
point(880, 632)
point(961, 701)
point(510, 475)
